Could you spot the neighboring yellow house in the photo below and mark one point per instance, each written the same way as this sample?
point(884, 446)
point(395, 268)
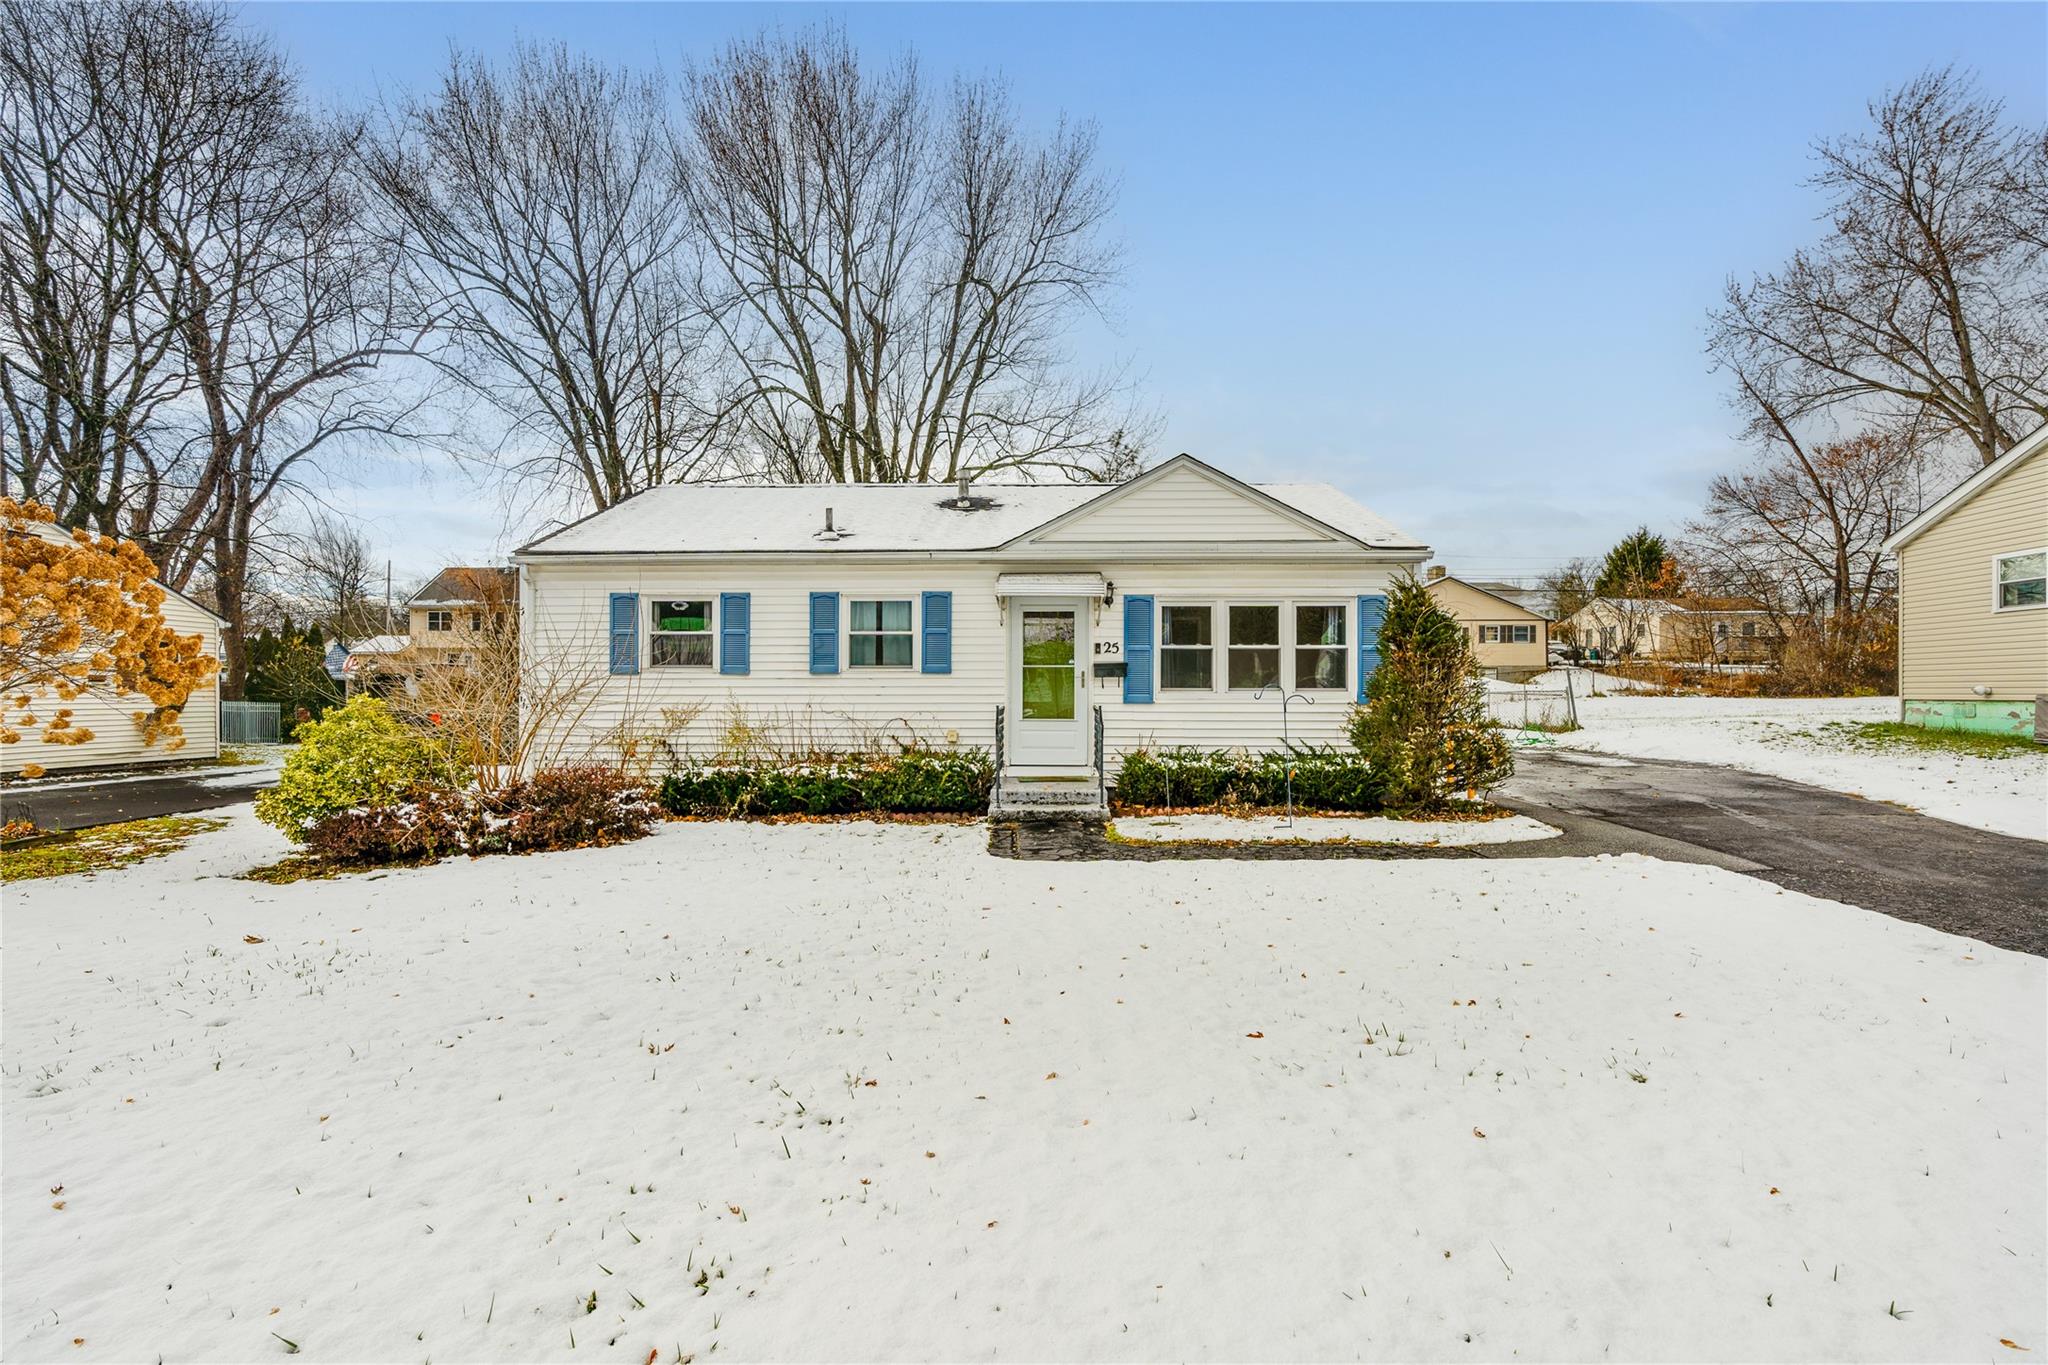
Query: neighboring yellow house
point(1510, 641)
point(457, 608)
point(1973, 600)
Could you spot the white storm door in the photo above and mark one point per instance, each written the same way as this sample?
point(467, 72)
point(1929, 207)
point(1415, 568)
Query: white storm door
point(1048, 683)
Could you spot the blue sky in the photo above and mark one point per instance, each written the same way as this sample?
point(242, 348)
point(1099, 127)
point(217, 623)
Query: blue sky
point(1454, 259)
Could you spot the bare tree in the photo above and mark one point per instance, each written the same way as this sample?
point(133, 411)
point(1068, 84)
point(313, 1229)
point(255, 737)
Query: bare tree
point(1567, 588)
point(176, 382)
point(897, 275)
point(1924, 303)
point(85, 157)
point(334, 572)
point(535, 206)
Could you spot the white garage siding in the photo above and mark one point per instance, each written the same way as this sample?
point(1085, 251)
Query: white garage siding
point(116, 741)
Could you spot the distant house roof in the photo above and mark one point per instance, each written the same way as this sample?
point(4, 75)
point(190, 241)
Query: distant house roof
point(1969, 488)
point(377, 646)
point(1506, 593)
point(463, 586)
point(790, 518)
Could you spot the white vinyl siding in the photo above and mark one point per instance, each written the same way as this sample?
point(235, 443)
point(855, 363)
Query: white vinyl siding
point(1182, 506)
point(781, 699)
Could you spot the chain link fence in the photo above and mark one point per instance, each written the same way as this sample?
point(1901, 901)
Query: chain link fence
point(1534, 708)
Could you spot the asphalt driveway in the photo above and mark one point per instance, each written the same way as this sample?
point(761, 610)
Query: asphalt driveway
point(1913, 867)
point(84, 802)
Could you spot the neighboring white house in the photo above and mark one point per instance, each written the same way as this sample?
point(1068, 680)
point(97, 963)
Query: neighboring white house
point(116, 739)
point(713, 617)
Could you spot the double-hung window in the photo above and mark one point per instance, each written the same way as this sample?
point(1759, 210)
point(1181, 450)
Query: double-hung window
point(680, 633)
point(2021, 580)
point(1524, 635)
point(1489, 635)
point(1254, 646)
point(878, 634)
point(1319, 648)
point(1187, 648)
point(440, 620)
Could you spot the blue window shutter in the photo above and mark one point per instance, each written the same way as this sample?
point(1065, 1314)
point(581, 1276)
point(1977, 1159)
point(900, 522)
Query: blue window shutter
point(938, 632)
point(824, 632)
point(735, 618)
point(1137, 649)
point(1372, 614)
point(625, 632)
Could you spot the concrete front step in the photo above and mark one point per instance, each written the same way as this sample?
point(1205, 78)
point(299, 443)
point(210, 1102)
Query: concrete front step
point(1047, 796)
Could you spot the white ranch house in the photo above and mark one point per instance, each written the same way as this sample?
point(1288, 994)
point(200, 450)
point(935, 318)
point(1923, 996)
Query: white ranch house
point(1024, 619)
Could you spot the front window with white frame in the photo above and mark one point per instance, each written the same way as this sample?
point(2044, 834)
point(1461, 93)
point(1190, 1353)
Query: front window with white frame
point(1254, 646)
point(2021, 580)
point(1262, 643)
point(679, 633)
point(1319, 647)
point(878, 634)
point(1187, 648)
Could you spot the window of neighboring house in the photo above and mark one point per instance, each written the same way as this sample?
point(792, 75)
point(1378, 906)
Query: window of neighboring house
point(1319, 648)
point(1749, 630)
point(1523, 635)
point(1187, 648)
point(2022, 579)
point(1254, 646)
point(1489, 635)
point(440, 620)
point(1607, 637)
point(476, 620)
point(878, 634)
point(1720, 630)
point(680, 634)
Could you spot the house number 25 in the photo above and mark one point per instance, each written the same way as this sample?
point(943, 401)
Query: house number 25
point(1109, 647)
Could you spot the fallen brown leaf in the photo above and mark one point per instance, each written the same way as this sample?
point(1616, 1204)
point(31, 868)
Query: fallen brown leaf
point(251, 938)
point(2012, 1345)
point(1255, 1034)
point(1476, 1133)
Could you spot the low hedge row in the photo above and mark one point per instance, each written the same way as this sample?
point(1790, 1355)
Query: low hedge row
point(576, 807)
point(1325, 778)
point(918, 782)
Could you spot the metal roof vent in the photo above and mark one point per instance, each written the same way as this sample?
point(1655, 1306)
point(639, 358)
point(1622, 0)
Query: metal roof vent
point(832, 532)
point(964, 499)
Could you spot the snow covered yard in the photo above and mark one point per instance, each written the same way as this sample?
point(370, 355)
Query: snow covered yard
point(862, 1091)
point(1788, 737)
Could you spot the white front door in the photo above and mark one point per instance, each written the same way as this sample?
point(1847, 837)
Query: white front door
point(1049, 711)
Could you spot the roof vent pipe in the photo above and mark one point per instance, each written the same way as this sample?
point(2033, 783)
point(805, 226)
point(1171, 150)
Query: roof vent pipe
point(828, 520)
point(965, 479)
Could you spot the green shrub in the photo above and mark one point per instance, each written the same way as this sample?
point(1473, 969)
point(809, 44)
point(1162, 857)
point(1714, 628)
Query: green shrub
point(358, 757)
point(1325, 778)
point(1424, 726)
point(918, 782)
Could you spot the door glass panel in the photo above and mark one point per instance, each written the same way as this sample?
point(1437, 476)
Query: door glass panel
point(1048, 665)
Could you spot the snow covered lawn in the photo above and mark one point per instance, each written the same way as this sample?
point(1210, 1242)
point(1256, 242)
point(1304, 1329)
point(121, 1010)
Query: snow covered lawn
point(1786, 737)
point(862, 1091)
point(1332, 829)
